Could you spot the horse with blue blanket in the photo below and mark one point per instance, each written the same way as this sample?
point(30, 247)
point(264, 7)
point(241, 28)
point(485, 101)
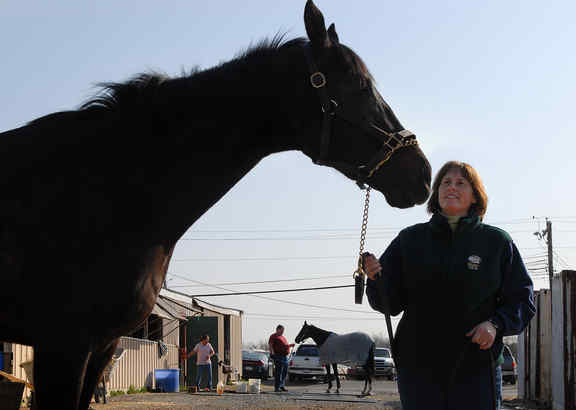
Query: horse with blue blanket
point(353, 349)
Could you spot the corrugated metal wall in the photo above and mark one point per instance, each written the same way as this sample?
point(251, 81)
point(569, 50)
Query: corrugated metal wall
point(564, 336)
point(236, 343)
point(142, 357)
point(21, 354)
point(534, 374)
point(136, 368)
point(558, 347)
point(171, 331)
point(538, 385)
point(547, 372)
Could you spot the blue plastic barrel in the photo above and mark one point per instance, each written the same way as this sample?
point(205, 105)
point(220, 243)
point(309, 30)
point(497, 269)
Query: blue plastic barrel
point(167, 380)
point(1, 361)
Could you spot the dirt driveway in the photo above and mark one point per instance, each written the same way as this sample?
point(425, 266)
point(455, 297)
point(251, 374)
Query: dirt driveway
point(300, 396)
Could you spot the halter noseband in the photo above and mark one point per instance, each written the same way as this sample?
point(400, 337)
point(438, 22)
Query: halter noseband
point(391, 141)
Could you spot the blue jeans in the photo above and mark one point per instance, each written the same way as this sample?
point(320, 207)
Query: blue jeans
point(204, 369)
point(498, 380)
point(281, 365)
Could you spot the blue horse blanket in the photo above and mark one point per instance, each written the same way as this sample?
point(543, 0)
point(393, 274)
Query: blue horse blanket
point(352, 349)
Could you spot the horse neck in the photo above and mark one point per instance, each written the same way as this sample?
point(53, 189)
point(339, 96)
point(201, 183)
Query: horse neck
point(255, 103)
point(319, 335)
point(226, 120)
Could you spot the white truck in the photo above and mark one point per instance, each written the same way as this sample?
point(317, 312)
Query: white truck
point(305, 363)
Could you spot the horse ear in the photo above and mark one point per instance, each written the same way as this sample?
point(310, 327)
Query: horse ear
point(332, 35)
point(305, 324)
point(315, 27)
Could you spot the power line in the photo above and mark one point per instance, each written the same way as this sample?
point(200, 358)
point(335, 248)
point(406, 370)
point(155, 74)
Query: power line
point(265, 316)
point(560, 259)
point(377, 235)
point(291, 303)
point(376, 228)
point(256, 282)
point(280, 258)
point(348, 231)
point(286, 258)
point(514, 221)
point(308, 238)
point(273, 291)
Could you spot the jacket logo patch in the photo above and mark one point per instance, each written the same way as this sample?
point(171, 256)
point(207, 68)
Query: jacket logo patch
point(474, 262)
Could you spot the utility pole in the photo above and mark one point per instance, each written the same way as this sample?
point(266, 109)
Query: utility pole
point(550, 253)
point(546, 235)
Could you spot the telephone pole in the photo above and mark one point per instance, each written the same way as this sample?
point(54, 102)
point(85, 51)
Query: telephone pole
point(546, 235)
point(550, 253)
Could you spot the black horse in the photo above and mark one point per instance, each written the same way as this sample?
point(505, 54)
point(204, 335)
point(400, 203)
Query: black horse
point(94, 200)
point(351, 348)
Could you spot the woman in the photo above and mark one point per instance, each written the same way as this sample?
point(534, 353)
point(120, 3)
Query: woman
point(462, 286)
point(204, 352)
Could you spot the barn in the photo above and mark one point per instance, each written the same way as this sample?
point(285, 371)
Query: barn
point(174, 327)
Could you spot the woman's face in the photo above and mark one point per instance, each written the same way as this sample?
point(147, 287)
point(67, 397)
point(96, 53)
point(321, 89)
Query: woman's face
point(455, 194)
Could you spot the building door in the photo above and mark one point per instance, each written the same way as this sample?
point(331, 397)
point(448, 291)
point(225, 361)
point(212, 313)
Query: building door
point(197, 327)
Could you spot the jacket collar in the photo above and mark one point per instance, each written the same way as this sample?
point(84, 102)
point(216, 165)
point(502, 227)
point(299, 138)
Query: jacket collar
point(439, 223)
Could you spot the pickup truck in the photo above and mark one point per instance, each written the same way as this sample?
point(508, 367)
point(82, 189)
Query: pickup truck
point(383, 365)
point(305, 363)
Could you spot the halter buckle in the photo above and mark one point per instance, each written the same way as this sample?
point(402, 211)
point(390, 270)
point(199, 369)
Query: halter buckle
point(331, 110)
point(318, 80)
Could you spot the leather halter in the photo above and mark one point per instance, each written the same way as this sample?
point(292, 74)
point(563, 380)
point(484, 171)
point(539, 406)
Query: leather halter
point(391, 141)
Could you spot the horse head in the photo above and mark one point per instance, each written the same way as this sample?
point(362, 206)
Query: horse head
point(303, 334)
point(355, 131)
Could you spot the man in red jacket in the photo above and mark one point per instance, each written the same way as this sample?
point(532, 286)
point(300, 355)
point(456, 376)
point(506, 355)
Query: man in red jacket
point(279, 350)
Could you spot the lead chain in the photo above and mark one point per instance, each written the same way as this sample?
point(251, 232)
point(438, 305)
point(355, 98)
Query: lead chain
point(360, 270)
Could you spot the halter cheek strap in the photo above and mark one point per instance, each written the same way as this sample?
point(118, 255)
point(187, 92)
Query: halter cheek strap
point(391, 141)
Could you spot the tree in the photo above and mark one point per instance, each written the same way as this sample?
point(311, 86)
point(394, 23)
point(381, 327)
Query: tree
point(261, 345)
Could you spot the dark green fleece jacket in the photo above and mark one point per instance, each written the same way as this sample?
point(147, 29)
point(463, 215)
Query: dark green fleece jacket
point(446, 283)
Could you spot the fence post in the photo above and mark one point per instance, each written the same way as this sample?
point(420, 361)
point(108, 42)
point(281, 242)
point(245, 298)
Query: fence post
point(557, 359)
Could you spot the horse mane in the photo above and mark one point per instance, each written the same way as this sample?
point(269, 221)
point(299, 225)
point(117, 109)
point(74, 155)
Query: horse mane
point(321, 333)
point(143, 87)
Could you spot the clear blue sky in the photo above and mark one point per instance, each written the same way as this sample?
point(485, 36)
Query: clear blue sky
point(491, 83)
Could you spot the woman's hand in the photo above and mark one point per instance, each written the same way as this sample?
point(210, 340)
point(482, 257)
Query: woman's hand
point(483, 335)
point(371, 265)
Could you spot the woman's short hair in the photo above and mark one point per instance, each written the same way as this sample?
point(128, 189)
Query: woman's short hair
point(204, 337)
point(479, 207)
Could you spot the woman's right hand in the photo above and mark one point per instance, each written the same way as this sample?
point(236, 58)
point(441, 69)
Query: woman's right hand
point(371, 265)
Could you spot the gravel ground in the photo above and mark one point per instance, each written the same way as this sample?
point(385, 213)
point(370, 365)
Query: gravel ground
point(264, 400)
point(300, 396)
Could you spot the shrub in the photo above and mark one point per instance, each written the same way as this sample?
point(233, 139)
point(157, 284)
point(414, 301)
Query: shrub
point(116, 393)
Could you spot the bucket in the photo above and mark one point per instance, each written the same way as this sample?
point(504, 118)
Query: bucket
point(167, 380)
point(254, 385)
point(241, 387)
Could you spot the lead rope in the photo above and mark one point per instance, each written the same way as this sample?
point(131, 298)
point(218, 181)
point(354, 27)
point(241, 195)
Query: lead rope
point(359, 274)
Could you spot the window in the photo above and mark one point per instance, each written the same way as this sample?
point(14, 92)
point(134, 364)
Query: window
point(307, 351)
point(382, 352)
